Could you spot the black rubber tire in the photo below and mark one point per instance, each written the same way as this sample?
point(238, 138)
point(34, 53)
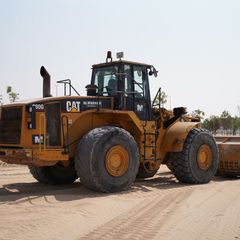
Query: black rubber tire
point(169, 161)
point(184, 164)
point(57, 174)
point(90, 159)
point(142, 173)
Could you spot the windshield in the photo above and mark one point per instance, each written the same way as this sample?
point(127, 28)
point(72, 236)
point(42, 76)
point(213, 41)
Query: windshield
point(106, 80)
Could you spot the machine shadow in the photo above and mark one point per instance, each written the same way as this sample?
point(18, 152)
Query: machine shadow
point(23, 192)
point(28, 191)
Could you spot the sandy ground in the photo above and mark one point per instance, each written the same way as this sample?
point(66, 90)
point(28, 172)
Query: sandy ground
point(157, 208)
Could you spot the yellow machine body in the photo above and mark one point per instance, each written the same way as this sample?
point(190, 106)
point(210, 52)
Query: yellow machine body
point(33, 147)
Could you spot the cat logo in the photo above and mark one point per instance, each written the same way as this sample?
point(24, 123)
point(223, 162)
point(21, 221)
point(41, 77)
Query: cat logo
point(73, 106)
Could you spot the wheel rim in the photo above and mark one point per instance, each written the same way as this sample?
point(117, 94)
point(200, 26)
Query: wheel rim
point(204, 157)
point(117, 161)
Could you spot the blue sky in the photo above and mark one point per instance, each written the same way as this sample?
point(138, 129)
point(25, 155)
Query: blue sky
point(195, 45)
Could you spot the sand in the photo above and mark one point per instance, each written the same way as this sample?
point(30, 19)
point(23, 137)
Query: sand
point(157, 208)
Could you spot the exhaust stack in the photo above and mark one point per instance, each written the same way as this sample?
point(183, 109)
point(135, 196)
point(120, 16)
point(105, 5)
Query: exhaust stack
point(46, 82)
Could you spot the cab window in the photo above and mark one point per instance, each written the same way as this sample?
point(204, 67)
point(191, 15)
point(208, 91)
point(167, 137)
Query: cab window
point(138, 81)
point(106, 80)
point(128, 86)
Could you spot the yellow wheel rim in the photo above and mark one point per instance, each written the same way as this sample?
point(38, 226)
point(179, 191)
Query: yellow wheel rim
point(117, 161)
point(204, 157)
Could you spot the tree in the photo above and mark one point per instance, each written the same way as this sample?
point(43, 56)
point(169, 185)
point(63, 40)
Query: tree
point(234, 125)
point(162, 98)
point(226, 123)
point(226, 120)
point(198, 114)
point(225, 114)
point(13, 96)
point(212, 124)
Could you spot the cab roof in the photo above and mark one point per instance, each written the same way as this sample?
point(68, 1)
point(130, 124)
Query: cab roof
point(111, 63)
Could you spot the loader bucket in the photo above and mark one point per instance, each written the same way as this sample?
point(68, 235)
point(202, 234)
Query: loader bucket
point(229, 155)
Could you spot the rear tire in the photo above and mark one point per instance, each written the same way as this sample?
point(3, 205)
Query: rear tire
point(170, 161)
point(143, 173)
point(198, 161)
point(57, 174)
point(107, 159)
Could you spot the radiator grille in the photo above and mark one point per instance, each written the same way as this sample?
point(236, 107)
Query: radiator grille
point(10, 125)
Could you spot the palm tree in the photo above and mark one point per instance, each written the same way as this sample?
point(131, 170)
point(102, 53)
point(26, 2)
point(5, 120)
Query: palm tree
point(13, 96)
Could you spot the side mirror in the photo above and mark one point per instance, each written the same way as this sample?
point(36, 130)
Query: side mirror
point(153, 71)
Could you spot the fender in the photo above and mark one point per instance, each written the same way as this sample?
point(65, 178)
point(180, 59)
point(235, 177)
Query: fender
point(175, 136)
point(91, 119)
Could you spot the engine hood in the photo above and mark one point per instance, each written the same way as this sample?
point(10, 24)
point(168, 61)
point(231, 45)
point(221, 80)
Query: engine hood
point(68, 104)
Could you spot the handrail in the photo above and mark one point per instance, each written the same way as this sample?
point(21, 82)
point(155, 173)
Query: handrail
point(68, 82)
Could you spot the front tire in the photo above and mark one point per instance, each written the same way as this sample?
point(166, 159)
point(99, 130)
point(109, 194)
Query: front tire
point(107, 159)
point(198, 161)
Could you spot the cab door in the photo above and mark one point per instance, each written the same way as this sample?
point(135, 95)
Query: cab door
point(137, 94)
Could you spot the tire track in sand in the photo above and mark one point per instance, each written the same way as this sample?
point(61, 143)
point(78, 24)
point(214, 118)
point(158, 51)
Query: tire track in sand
point(210, 219)
point(143, 221)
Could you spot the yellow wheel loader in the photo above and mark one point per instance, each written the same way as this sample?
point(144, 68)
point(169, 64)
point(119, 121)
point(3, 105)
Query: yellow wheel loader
point(107, 138)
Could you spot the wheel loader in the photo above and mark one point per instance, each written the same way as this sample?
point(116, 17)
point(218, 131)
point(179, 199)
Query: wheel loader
point(110, 136)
